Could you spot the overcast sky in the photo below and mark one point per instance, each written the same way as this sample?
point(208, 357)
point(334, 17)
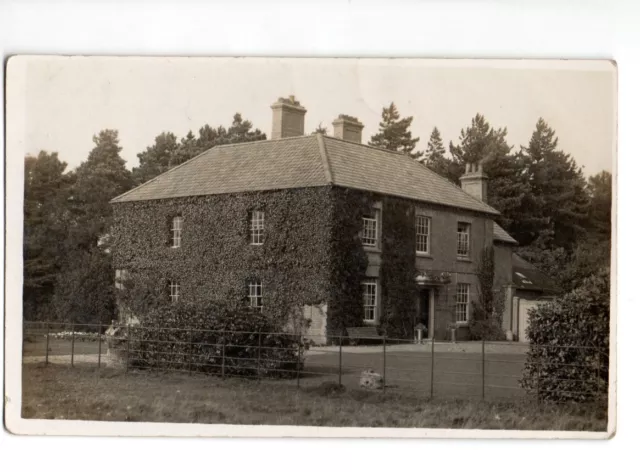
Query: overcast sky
point(68, 100)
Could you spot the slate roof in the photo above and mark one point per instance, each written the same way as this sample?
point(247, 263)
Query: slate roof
point(499, 234)
point(305, 161)
point(526, 276)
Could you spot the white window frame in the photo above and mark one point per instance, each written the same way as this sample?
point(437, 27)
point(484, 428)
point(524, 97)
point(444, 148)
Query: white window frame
point(256, 229)
point(369, 234)
point(120, 278)
point(174, 291)
point(421, 236)
point(176, 232)
point(370, 300)
point(463, 303)
point(463, 238)
point(255, 294)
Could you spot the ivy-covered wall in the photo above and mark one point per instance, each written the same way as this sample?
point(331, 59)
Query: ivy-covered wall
point(215, 258)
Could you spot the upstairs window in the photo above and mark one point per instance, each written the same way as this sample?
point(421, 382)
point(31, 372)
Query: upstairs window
point(255, 294)
point(462, 303)
point(369, 233)
point(370, 299)
point(256, 228)
point(464, 232)
point(423, 234)
point(174, 291)
point(176, 232)
point(121, 277)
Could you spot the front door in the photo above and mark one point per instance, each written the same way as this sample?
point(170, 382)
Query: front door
point(425, 306)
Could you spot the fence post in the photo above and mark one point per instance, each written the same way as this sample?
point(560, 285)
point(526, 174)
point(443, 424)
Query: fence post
point(259, 354)
point(99, 344)
point(299, 361)
point(483, 369)
point(340, 363)
point(433, 351)
point(46, 356)
point(190, 349)
point(384, 363)
point(128, 347)
point(73, 341)
point(598, 374)
point(224, 344)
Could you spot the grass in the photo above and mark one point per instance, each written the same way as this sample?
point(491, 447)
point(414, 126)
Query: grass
point(85, 393)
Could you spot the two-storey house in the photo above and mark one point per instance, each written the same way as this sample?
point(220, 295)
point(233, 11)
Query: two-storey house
point(271, 224)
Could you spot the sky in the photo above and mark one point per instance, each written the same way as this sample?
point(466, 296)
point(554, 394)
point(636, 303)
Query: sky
point(67, 100)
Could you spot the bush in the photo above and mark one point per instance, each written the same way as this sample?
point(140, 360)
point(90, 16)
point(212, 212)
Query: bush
point(568, 358)
point(214, 339)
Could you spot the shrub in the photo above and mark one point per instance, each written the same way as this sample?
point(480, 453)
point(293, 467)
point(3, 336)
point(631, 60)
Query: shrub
point(486, 318)
point(568, 358)
point(214, 339)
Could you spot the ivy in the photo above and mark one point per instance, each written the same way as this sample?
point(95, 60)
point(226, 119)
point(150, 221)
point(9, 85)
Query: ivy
point(311, 254)
point(486, 317)
point(397, 269)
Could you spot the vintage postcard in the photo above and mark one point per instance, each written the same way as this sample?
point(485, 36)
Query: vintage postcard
point(311, 247)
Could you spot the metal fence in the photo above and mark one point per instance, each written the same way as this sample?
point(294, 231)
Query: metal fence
point(491, 370)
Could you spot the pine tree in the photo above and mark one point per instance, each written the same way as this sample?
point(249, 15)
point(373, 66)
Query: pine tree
point(156, 159)
point(241, 131)
point(435, 158)
point(46, 192)
point(394, 133)
point(558, 184)
point(187, 149)
point(599, 188)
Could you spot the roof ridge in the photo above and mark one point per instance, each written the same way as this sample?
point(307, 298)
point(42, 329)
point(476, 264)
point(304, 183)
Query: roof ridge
point(323, 157)
point(262, 141)
point(115, 199)
point(423, 166)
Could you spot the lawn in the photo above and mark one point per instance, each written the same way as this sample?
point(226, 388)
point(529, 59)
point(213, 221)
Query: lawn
point(86, 393)
point(407, 369)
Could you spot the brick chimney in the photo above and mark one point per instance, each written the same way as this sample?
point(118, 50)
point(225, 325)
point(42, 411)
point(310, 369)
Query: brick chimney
point(474, 181)
point(288, 118)
point(348, 128)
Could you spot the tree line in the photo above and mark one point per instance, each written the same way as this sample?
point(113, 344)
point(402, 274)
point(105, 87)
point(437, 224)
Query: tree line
point(561, 220)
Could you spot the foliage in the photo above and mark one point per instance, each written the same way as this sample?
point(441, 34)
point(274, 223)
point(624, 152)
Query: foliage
point(397, 269)
point(320, 129)
point(568, 359)
point(486, 318)
point(558, 186)
point(599, 189)
point(85, 288)
point(311, 255)
point(436, 160)
point(349, 260)
point(213, 338)
point(166, 152)
point(394, 133)
point(46, 190)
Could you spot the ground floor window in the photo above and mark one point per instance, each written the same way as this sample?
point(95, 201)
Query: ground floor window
point(255, 294)
point(174, 291)
point(370, 293)
point(462, 303)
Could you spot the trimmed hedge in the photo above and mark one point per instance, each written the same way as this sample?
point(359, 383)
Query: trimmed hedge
point(568, 359)
point(215, 340)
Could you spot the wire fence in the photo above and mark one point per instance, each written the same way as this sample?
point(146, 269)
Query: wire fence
point(484, 370)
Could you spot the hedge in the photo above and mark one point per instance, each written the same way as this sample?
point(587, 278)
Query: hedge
point(568, 358)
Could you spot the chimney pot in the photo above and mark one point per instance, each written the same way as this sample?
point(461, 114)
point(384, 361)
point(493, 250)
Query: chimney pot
point(348, 128)
point(474, 181)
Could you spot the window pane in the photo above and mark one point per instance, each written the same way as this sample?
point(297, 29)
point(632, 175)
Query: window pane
point(462, 302)
point(176, 230)
point(463, 239)
point(369, 300)
point(257, 227)
point(369, 230)
point(423, 227)
point(255, 294)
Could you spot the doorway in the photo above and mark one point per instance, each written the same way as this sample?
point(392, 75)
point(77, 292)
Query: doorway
point(425, 310)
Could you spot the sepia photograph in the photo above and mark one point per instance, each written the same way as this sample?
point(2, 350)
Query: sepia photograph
point(320, 246)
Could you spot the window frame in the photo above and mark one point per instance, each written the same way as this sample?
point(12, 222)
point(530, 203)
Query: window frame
point(367, 307)
point(255, 291)
point(373, 217)
point(176, 231)
point(256, 227)
point(466, 303)
point(467, 225)
point(428, 234)
point(174, 290)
